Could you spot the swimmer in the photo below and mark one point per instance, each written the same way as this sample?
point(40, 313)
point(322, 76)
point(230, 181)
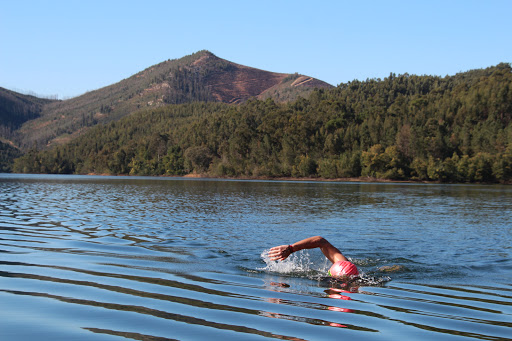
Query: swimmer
point(341, 266)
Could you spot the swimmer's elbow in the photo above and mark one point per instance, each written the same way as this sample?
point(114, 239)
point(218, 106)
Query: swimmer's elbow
point(320, 241)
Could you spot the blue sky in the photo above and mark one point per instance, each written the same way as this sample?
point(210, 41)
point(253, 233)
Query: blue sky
point(66, 48)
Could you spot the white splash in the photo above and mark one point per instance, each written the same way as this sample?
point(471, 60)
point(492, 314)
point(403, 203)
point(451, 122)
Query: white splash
point(298, 263)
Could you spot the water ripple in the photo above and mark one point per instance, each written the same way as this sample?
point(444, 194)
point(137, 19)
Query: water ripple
point(107, 258)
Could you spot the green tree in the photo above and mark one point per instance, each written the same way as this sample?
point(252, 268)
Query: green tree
point(198, 159)
point(173, 163)
point(327, 168)
point(305, 167)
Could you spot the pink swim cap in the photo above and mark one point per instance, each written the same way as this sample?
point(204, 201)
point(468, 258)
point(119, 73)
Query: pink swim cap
point(343, 268)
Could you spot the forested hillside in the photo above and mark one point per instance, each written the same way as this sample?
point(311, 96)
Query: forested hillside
point(451, 129)
point(15, 109)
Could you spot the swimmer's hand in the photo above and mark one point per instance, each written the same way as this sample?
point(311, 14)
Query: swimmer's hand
point(280, 252)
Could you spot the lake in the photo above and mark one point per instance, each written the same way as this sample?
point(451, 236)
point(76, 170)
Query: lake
point(141, 258)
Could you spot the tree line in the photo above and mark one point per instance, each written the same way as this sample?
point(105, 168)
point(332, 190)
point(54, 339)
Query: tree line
point(404, 127)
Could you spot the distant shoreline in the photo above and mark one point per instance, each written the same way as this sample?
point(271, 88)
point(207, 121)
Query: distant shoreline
point(268, 178)
point(316, 179)
point(291, 179)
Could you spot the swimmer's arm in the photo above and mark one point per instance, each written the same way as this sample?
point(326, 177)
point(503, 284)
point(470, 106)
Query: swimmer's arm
point(283, 251)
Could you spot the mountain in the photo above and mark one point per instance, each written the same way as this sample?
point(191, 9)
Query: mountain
point(201, 76)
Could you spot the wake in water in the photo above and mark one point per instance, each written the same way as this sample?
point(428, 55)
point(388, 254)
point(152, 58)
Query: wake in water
point(300, 264)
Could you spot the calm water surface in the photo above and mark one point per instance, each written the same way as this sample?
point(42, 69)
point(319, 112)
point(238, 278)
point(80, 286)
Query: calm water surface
point(111, 258)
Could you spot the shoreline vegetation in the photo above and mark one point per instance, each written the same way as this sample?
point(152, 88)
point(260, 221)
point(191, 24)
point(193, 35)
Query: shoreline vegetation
point(298, 179)
point(405, 128)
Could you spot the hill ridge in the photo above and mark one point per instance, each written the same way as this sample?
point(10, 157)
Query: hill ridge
point(201, 76)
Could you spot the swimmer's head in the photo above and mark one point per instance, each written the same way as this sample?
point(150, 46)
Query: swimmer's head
point(343, 268)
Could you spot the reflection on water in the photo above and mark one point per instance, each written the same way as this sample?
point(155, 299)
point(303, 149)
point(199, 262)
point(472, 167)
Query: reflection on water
point(145, 258)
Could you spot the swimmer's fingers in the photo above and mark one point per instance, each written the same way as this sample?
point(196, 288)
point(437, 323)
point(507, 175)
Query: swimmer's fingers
point(280, 252)
point(274, 253)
